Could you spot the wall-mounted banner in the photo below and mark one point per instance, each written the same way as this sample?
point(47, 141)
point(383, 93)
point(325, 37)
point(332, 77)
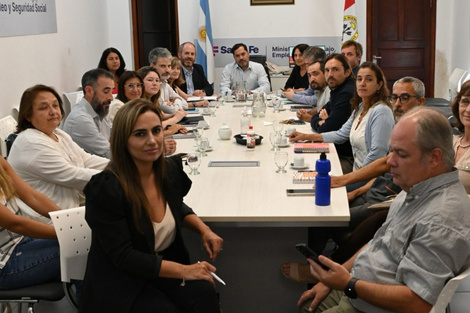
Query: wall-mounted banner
point(275, 49)
point(27, 17)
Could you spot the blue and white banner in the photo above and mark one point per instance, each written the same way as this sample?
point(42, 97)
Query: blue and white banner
point(27, 17)
point(204, 46)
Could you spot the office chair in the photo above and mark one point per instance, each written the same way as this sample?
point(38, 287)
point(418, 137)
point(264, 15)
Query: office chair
point(74, 237)
point(31, 295)
point(448, 291)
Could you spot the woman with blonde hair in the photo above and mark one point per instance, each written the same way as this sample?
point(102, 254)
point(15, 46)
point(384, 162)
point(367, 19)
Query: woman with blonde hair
point(29, 251)
point(176, 80)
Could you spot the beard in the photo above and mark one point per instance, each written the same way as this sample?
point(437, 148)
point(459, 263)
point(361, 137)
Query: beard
point(101, 108)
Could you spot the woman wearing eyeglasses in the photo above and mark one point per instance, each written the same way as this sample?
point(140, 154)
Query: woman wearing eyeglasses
point(461, 111)
point(130, 87)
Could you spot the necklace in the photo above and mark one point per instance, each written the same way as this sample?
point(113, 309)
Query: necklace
point(463, 146)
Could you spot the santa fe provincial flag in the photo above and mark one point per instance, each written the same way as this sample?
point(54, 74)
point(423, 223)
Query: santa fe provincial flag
point(205, 51)
point(350, 31)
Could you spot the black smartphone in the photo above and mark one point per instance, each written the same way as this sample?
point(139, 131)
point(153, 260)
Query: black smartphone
point(300, 192)
point(309, 253)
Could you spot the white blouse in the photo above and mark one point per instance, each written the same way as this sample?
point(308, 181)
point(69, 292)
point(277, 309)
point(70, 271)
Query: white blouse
point(165, 231)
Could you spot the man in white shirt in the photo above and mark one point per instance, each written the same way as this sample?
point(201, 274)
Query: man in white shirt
point(170, 101)
point(243, 70)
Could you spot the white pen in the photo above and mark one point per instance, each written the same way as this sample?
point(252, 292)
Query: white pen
point(217, 278)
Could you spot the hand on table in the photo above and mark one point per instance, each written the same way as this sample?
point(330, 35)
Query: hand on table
point(170, 146)
point(288, 93)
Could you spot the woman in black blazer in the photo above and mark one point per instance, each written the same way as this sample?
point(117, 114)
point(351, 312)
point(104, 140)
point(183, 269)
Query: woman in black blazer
point(138, 261)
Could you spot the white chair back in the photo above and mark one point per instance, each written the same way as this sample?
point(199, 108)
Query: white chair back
point(448, 291)
point(70, 99)
point(7, 126)
point(74, 237)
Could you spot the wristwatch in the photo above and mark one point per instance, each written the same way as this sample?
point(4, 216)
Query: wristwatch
point(349, 291)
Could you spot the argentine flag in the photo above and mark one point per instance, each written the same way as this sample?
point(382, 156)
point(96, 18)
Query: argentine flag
point(204, 46)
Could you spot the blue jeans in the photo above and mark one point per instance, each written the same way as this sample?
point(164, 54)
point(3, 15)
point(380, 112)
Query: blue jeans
point(33, 261)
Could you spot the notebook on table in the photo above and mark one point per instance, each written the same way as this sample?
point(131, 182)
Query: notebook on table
point(311, 147)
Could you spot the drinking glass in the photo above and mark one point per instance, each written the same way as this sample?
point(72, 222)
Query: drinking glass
point(194, 160)
point(278, 126)
point(281, 158)
point(277, 105)
point(275, 139)
point(203, 146)
point(197, 131)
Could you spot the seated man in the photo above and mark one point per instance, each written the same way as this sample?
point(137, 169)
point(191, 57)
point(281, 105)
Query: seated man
point(352, 50)
point(196, 83)
point(317, 81)
point(244, 70)
point(87, 123)
point(308, 96)
point(424, 241)
point(170, 101)
point(408, 92)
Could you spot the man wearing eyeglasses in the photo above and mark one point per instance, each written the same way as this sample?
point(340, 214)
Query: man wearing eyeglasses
point(87, 123)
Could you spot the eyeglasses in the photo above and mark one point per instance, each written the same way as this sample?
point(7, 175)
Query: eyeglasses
point(132, 86)
point(404, 97)
point(464, 102)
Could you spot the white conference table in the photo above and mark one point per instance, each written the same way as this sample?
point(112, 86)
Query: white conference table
point(248, 207)
point(256, 196)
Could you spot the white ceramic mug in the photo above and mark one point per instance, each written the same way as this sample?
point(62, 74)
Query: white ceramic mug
point(290, 131)
point(299, 161)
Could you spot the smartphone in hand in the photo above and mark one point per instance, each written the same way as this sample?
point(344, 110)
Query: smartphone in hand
point(309, 253)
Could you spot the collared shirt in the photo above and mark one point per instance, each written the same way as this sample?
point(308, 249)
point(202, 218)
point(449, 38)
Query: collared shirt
point(87, 129)
point(254, 76)
point(423, 243)
point(188, 76)
point(316, 98)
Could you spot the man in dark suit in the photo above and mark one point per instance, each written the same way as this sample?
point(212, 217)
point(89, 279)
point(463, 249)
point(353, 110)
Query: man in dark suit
point(196, 83)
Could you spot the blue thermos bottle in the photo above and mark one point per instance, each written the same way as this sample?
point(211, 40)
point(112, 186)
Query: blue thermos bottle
point(323, 181)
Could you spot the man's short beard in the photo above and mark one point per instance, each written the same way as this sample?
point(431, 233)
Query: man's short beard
point(99, 107)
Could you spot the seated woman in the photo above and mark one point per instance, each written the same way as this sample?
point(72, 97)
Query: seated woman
point(176, 80)
point(130, 87)
point(112, 60)
point(136, 211)
point(29, 253)
point(45, 156)
point(152, 91)
point(368, 129)
point(298, 79)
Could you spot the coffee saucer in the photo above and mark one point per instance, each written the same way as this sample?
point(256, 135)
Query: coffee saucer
point(306, 165)
point(284, 146)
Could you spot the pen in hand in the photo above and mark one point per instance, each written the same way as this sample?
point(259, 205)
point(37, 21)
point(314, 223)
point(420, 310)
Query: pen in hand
point(217, 278)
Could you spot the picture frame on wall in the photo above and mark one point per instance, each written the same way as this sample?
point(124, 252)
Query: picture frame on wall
point(268, 2)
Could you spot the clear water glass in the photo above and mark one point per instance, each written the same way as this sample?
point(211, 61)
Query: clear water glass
point(278, 126)
point(275, 139)
point(203, 146)
point(281, 158)
point(194, 161)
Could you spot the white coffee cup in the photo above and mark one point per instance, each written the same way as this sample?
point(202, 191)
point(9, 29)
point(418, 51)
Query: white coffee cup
point(290, 131)
point(283, 141)
point(299, 161)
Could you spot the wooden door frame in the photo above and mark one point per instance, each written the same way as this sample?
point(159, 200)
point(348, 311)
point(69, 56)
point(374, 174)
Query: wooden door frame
point(136, 25)
point(432, 47)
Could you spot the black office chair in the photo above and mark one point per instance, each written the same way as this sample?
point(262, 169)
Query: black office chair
point(262, 60)
point(32, 295)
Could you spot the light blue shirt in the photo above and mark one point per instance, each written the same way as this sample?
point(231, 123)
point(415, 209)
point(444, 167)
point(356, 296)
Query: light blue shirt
point(254, 76)
point(377, 133)
point(423, 243)
point(316, 98)
point(87, 129)
point(188, 76)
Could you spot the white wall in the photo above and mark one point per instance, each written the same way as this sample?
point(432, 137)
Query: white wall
point(84, 30)
point(87, 27)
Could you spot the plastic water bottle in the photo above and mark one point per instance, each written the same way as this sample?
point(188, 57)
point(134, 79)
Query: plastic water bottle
point(245, 122)
point(323, 181)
